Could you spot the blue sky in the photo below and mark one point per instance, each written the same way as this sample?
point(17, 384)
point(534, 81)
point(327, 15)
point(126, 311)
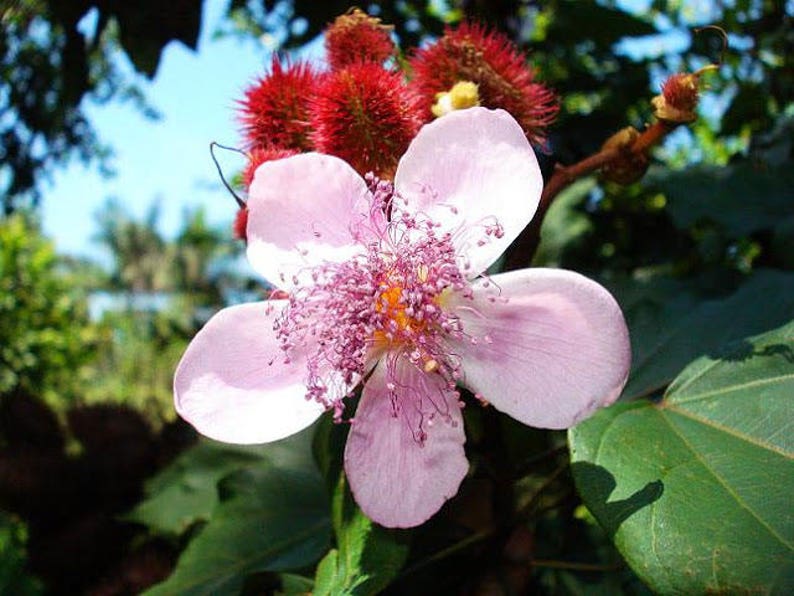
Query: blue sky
point(168, 159)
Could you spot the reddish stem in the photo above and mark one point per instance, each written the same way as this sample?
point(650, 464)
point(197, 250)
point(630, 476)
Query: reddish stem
point(523, 248)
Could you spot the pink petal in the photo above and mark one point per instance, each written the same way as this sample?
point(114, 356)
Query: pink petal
point(469, 168)
point(397, 479)
point(226, 386)
point(559, 347)
point(302, 211)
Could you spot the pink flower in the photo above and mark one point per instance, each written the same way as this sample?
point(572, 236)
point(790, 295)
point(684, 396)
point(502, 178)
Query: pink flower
point(401, 303)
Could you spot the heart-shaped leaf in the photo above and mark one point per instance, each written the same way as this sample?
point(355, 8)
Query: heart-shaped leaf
point(696, 489)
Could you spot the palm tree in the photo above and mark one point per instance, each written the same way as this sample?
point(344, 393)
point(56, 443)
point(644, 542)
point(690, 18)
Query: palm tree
point(137, 248)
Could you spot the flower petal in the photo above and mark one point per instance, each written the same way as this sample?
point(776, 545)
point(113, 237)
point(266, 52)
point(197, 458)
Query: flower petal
point(398, 479)
point(305, 210)
point(550, 354)
point(232, 383)
point(469, 169)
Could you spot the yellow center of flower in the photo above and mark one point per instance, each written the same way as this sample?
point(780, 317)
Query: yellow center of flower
point(405, 327)
point(464, 94)
point(391, 305)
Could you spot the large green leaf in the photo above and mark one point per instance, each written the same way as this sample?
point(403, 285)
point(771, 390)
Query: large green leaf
point(742, 198)
point(696, 489)
point(670, 325)
point(269, 519)
point(367, 558)
point(186, 491)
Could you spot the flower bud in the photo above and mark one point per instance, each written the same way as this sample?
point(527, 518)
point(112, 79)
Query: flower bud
point(678, 100)
point(629, 166)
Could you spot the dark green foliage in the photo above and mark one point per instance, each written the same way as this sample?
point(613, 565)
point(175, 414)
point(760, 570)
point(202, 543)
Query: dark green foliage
point(271, 515)
point(13, 577)
point(671, 322)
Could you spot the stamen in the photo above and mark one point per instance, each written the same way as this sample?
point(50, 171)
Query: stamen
point(389, 301)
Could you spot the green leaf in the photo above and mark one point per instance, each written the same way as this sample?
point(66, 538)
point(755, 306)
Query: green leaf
point(328, 448)
point(670, 325)
point(186, 491)
point(269, 519)
point(367, 556)
point(292, 584)
point(696, 490)
point(742, 198)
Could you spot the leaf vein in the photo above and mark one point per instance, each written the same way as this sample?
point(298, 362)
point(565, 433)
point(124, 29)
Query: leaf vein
point(724, 484)
point(730, 431)
point(732, 388)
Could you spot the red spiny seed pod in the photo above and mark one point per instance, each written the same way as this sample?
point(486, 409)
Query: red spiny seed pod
point(493, 63)
point(260, 155)
point(274, 111)
point(357, 37)
point(362, 114)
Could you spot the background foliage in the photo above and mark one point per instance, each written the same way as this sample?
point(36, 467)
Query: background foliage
point(682, 487)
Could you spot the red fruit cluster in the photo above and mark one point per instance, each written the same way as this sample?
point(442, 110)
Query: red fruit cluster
point(368, 114)
point(240, 224)
point(492, 61)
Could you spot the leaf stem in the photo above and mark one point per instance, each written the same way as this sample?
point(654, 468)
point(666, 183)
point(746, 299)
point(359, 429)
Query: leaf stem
point(573, 566)
point(450, 550)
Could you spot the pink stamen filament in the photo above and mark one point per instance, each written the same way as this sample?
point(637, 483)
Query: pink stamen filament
point(386, 302)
